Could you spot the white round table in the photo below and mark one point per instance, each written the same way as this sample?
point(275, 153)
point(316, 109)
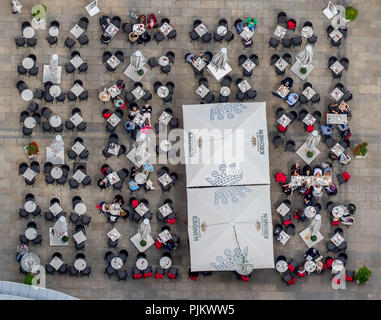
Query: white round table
point(30, 122)
point(338, 211)
point(55, 121)
point(55, 90)
point(56, 173)
point(225, 91)
point(138, 29)
point(142, 264)
point(165, 262)
point(29, 260)
point(54, 31)
point(163, 61)
point(307, 32)
point(309, 211)
point(30, 206)
point(28, 32)
point(140, 178)
point(31, 233)
point(80, 208)
point(27, 63)
point(27, 95)
point(281, 266)
point(310, 266)
point(163, 91)
point(116, 263)
point(80, 264)
point(221, 31)
point(165, 145)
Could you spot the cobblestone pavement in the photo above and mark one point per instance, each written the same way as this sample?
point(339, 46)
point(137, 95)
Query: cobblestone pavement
point(361, 47)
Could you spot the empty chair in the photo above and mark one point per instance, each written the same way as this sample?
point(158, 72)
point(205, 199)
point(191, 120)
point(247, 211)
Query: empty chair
point(278, 141)
point(116, 21)
point(290, 146)
point(317, 115)
point(31, 42)
point(302, 114)
point(69, 43)
point(158, 36)
point(296, 41)
point(119, 54)
point(194, 35)
point(274, 58)
point(315, 98)
point(241, 59)
point(282, 17)
point(127, 27)
point(287, 57)
point(20, 42)
point(152, 62)
point(344, 62)
point(287, 43)
point(274, 43)
point(21, 86)
point(83, 23)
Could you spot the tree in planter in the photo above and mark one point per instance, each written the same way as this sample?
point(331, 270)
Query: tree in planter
point(313, 237)
point(143, 243)
point(140, 72)
point(28, 279)
point(310, 154)
point(65, 238)
point(351, 13)
point(303, 70)
point(362, 275)
point(361, 149)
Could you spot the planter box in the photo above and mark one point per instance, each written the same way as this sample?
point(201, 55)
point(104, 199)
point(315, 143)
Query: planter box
point(26, 152)
point(361, 157)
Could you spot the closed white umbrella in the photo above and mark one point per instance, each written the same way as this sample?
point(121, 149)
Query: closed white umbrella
point(144, 229)
point(60, 227)
point(305, 57)
point(313, 140)
point(57, 145)
point(315, 225)
point(137, 60)
point(220, 59)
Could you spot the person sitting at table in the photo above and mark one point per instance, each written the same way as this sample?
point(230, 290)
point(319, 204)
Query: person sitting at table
point(343, 107)
point(133, 186)
point(295, 169)
point(304, 188)
point(104, 183)
point(241, 26)
point(308, 198)
point(133, 111)
point(21, 250)
point(317, 191)
point(146, 110)
point(292, 99)
point(190, 58)
point(307, 170)
point(147, 167)
point(105, 208)
point(344, 158)
point(326, 129)
point(288, 189)
point(144, 37)
point(135, 170)
point(151, 22)
point(328, 171)
point(105, 22)
point(331, 189)
point(318, 171)
point(130, 126)
point(251, 23)
point(299, 215)
point(118, 199)
point(345, 132)
point(332, 156)
point(312, 254)
point(332, 108)
point(119, 102)
point(132, 37)
point(171, 244)
point(205, 57)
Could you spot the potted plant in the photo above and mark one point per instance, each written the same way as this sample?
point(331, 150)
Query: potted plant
point(28, 279)
point(31, 149)
point(39, 12)
point(351, 13)
point(361, 150)
point(310, 154)
point(143, 243)
point(65, 238)
point(140, 72)
point(313, 237)
point(362, 275)
point(303, 70)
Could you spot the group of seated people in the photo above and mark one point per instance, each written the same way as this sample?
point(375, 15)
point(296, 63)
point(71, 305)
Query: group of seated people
point(113, 210)
point(149, 23)
point(247, 24)
point(191, 58)
point(132, 126)
point(291, 98)
point(307, 190)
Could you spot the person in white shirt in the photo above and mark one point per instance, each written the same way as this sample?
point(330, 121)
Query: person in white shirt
point(16, 6)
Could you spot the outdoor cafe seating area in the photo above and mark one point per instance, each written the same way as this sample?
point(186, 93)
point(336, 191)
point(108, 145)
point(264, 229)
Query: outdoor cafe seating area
point(125, 107)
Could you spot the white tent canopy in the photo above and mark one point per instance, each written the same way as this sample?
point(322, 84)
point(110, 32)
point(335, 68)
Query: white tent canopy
point(226, 144)
point(228, 224)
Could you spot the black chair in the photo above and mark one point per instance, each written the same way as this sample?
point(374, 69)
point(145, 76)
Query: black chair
point(315, 98)
point(290, 146)
point(20, 42)
point(194, 35)
point(282, 17)
point(127, 27)
point(335, 43)
point(229, 36)
point(21, 86)
point(302, 114)
point(21, 70)
point(171, 56)
point(274, 58)
point(116, 21)
point(52, 40)
point(317, 115)
point(69, 68)
point(296, 41)
point(287, 43)
point(152, 62)
point(206, 38)
point(278, 141)
point(274, 43)
point(287, 57)
point(31, 42)
point(312, 40)
point(69, 43)
point(158, 36)
point(344, 62)
point(83, 23)
point(39, 94)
